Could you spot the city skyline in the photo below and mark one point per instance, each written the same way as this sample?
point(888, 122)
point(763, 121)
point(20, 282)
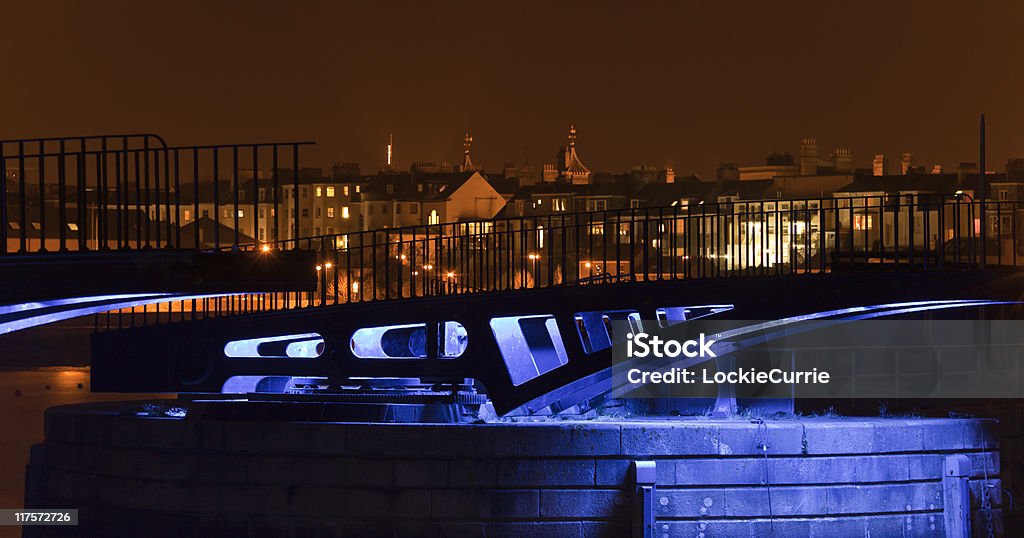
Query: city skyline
point(679, 85)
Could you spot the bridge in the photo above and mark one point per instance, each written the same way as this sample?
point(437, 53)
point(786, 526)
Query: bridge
point(125, 215)
point(522, 308)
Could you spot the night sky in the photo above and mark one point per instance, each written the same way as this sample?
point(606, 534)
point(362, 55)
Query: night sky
point(681, 83)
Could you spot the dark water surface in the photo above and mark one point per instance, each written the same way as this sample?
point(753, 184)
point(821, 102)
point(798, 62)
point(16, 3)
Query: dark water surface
point(21, 420)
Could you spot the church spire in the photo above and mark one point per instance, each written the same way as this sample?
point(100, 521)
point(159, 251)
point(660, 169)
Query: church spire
point(572, 168)
point(467, 145)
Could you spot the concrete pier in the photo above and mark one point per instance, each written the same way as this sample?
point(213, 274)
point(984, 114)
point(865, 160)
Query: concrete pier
point(155, 474)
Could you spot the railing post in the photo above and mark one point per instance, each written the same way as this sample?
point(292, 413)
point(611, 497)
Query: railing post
point(23, 200)
point(3, 201)
point(42, 193)
point(644, 490)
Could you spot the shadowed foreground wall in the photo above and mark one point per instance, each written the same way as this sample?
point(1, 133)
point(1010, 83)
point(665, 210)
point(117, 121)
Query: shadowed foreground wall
point(159, 476)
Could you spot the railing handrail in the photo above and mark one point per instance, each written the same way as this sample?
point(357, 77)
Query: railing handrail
point(86, 137)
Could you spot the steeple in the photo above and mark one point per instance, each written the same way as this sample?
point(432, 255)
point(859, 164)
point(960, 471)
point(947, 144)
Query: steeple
point(467, 163)
point(572, 168)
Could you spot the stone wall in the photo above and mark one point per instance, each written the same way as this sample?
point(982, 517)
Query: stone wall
point(149, 476)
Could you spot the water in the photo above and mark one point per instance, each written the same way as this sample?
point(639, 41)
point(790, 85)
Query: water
point(21, 420)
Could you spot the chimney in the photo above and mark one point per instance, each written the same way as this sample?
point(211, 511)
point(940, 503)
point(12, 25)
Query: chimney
point(880, 165)
point(906, 163)
point(842, 160)
point(808, 157)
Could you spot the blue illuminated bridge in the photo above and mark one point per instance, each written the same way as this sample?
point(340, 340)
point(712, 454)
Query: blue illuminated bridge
point(190, 260)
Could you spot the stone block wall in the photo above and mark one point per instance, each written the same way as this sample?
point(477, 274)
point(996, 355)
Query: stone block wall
point(148, 476)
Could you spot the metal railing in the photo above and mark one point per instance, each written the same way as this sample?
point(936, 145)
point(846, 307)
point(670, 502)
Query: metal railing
point(767, 238)
point(134, 191)
point(750, 238)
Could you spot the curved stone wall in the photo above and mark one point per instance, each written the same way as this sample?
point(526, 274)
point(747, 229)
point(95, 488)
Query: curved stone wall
point(154, 476)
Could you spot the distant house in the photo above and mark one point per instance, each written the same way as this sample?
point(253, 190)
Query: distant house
point(417, 198)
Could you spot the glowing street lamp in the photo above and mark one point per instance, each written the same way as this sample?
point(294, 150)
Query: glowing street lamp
point(265, 248)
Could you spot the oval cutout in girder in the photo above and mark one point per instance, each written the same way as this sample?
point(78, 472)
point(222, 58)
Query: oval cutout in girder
point(408, 341)
point(289, 346)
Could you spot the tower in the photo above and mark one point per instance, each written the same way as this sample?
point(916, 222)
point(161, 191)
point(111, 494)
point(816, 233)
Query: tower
point(391, 141)
point(570, 166)
point(467, 163)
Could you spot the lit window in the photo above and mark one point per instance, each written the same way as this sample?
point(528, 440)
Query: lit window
point(241, 213)
point(344, 190)
point(188, 214)
point(14, 225)
point(358, 189)
point(597, 229)
point(862, 222)
point(330, 192)
point(318, 192)
point(540, 237)
point(330, 212)
point(434, 218)
point(344, 212)
point(73, 226)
